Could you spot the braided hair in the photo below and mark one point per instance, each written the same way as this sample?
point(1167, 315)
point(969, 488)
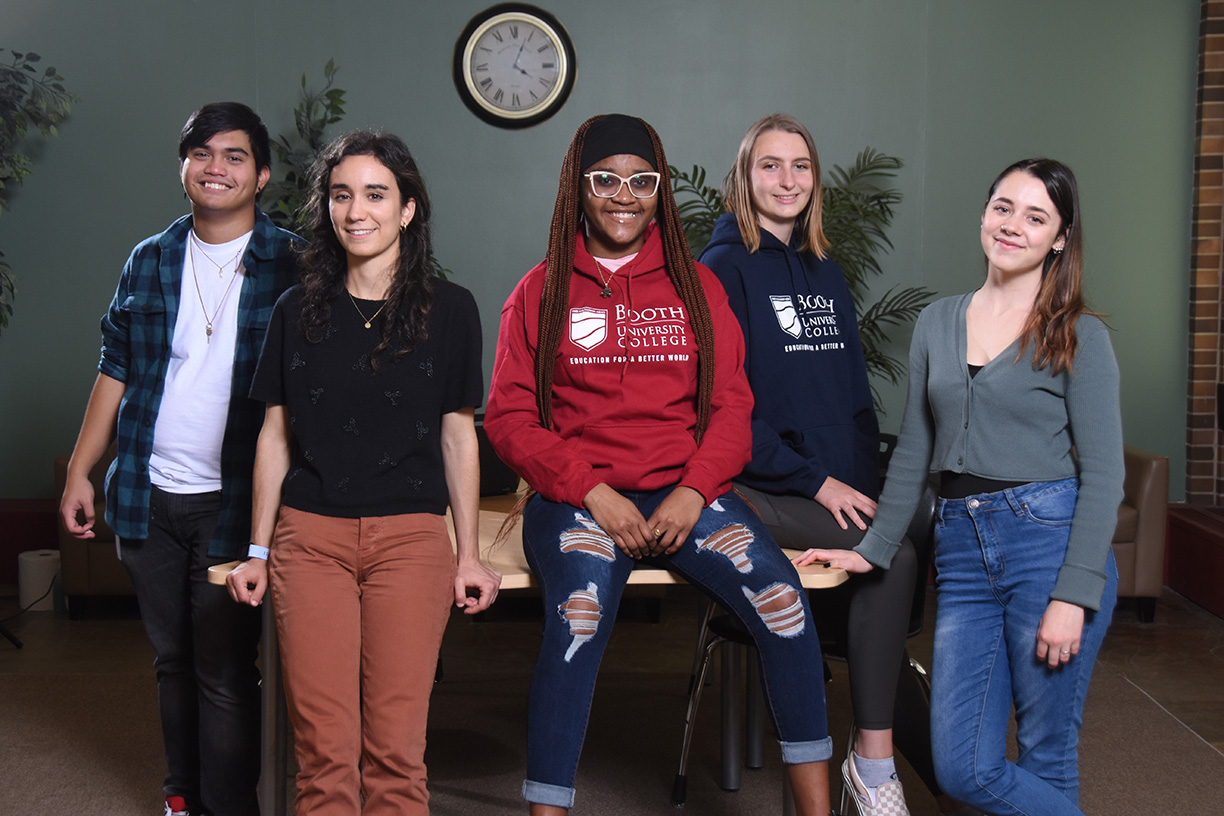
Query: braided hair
point(562, 241)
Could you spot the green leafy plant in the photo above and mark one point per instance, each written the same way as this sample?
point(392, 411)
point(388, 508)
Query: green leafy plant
point(699, 206)
point(316, 110)
point(29, 99)
point(282, 199)
point(857, 209)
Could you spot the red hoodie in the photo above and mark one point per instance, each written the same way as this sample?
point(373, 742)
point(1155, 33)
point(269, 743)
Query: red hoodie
point(624, 406)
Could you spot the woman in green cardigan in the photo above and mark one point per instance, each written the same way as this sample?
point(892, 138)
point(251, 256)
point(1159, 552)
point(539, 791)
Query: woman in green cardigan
point(1013, 404)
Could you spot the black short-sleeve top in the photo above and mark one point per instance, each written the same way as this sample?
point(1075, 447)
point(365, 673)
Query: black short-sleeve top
point(368, 442)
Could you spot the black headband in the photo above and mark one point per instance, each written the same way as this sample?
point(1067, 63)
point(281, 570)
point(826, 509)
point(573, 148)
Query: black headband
point(615, 134)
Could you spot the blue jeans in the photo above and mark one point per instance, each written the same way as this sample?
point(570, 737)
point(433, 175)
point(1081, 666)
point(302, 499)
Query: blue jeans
point(205, 647)
point(730, 556)
point(997, 557)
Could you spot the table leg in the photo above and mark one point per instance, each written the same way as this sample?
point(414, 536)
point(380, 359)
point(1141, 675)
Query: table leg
point(274, 766)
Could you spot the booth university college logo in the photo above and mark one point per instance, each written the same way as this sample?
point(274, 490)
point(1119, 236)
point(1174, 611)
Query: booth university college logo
point(588, 327)
point(784, 310)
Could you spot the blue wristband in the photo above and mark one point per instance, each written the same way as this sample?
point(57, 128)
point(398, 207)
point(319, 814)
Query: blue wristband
point(256, 551)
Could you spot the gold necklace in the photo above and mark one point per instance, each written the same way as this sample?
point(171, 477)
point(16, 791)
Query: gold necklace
point(358, 308)
point(607, 282)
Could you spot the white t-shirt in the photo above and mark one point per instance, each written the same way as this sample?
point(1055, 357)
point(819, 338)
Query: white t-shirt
point(190, 425)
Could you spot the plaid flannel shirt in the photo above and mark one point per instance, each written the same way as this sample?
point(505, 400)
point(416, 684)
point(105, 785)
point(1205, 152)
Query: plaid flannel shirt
point(136, 336)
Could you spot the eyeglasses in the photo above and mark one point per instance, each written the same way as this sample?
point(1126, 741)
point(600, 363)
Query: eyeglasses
point(608, 185)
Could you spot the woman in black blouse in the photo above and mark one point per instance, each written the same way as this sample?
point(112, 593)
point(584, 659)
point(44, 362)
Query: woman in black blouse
point(371, 373)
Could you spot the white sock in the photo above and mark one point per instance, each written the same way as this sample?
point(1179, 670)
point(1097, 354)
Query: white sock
point(875, 772)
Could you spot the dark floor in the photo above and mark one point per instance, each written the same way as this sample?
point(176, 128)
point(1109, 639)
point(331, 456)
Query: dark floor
point(1178, 661)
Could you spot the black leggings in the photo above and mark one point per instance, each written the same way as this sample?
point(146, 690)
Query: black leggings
point(865, 619)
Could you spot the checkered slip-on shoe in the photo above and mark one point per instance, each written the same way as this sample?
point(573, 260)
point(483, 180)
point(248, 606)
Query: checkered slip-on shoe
point(886, 800)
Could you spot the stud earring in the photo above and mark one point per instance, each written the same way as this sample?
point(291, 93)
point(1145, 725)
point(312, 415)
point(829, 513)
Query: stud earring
point(1057, 250)
point(403, 227)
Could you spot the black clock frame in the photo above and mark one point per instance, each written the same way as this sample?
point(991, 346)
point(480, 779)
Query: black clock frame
point(515, 123)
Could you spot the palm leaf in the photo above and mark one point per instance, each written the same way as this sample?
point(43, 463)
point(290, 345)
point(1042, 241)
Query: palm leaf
point(700, 208)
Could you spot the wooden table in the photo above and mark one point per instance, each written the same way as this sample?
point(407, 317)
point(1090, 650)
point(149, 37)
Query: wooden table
point(506, 557)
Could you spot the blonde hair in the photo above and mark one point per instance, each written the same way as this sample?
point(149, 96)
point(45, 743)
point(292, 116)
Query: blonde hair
point(737, 188)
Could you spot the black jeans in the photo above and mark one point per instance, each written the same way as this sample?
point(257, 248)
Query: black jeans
point(205, 646)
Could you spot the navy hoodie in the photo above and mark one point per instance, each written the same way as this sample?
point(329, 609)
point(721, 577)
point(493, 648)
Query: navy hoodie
point(813, 416)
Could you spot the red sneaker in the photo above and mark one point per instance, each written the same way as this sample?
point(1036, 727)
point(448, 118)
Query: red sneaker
point(176, 806)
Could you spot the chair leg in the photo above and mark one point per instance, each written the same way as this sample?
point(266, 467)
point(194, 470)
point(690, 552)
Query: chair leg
point(703, 631)
point(696, 684)
point(844, 806)
point(732, 718)
point(754, 715)
point(1147, 610)
point(919, 673)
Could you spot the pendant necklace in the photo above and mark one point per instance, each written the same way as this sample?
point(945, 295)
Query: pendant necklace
point(209, 320)
point(607, 282)
point(358, 308)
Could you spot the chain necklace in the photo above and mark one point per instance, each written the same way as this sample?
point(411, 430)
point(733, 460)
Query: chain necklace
point(607, 282)
point(195, 241)
point(358, 308)
point(208, 321)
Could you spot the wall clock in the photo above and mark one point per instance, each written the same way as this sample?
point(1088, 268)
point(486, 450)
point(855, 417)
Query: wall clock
point(514, 65)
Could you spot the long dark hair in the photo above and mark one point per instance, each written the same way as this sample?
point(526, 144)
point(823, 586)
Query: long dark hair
point(562, 240)
point(324, 264)
point(1060, 301)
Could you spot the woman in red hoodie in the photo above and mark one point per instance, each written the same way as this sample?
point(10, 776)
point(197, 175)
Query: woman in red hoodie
point(619, 395)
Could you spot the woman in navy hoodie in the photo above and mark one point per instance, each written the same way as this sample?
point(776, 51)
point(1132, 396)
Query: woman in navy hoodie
point(814, 474)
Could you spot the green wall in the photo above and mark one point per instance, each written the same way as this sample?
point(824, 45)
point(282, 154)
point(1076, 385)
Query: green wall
point(957, 88)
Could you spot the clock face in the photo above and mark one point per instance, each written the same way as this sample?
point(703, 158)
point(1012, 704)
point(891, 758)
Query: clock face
point(514, 65)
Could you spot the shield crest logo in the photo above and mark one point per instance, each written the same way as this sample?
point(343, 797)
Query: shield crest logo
point(784, 310)
point(588, 327)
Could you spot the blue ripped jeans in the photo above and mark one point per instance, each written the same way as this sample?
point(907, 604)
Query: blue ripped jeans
point(581, 573)
point(998, 556)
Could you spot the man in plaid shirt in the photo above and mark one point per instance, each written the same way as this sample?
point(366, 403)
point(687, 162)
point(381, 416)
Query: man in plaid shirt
point(179, 346)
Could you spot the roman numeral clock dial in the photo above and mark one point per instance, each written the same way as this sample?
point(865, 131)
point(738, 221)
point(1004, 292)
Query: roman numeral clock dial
point(514, 65)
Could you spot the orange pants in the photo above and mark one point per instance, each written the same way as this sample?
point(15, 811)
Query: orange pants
point(361, 605)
